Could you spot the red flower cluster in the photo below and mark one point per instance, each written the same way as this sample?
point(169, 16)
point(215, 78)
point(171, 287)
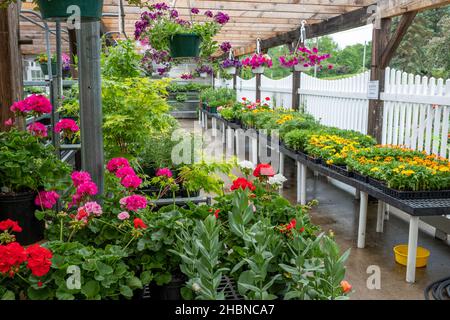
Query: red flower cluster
point(13, 255)
point(291, 226)
point(10, 225)
point(39, 260)
point(263, 169)
point(139, 224)
point(242, 183)
point(216, 212)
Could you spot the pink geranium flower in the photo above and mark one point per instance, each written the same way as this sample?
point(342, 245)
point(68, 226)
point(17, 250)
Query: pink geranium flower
point(125, 171)
point(134, 202)
point(37, 129)
point(164, 172)
point(123, 215)
point(117, 163)
point(93, 208)
point(46, 199)
point(80, 177)
point(131, 181)
point(67, 125)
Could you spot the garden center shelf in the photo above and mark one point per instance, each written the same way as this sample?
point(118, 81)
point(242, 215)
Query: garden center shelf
point(415, 208)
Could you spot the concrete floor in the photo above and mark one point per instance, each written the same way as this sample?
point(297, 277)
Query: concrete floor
point(338, 211)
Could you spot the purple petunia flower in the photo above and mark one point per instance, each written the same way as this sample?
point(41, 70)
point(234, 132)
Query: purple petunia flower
point(195, 11)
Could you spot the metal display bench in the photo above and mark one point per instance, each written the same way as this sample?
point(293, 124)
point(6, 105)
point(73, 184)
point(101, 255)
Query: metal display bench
point(415, 208)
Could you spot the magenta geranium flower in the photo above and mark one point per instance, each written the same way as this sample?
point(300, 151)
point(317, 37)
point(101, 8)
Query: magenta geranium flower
point(134, 202)
point(79, 177)
point(131, 181)
point(37, 129)
point(67, 125)
point(117, 163)
point(46, 199)
point(164, 172)
point(39, 104)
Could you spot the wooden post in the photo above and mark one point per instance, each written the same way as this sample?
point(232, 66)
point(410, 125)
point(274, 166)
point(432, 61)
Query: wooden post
point(73, 52)
point(258, 87)
point(89, 47)
point(11, 82)
point(235, 80)
point(379, 42)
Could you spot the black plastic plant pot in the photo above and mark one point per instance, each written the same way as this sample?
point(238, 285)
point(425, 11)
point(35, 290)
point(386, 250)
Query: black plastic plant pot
point(341, 169)
point(360, 177)
point(20, 207)
point(212, 109)
point(185, 46)
point(172, 290)
point(44, 68)
point(89, 10)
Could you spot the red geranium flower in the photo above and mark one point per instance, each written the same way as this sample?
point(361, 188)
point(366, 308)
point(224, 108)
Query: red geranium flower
point(139, 224)
point(267, 99)
point(291, 224)
point(39, 260)
point(12, 256)
point(263, 169)
point(10, 224)
point(243, 184)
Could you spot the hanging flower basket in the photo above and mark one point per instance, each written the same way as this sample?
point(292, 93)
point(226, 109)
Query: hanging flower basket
point(44, 68)
point(61, 9)
point(231, 70)
point(185, 46)
point(302, 68)
point(258, 70)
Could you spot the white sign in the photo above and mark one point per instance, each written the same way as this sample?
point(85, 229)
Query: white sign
point(373, 91)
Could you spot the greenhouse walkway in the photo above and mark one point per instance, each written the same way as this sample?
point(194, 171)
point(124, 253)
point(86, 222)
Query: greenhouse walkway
point(338, 211)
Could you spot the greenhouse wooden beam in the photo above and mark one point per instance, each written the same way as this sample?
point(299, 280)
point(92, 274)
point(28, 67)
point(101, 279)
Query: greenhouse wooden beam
point(11, 82)
point(396, 38)
point(342, 22)
point(392, 8)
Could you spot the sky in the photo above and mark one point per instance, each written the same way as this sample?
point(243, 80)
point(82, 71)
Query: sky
point(353, 36)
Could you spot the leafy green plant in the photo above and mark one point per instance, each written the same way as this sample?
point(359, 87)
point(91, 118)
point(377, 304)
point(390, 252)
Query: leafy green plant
point(26, 164)
point(200, 250)
point(218, 97)
point(181, 97)
point(121, 61)
point(127, 103)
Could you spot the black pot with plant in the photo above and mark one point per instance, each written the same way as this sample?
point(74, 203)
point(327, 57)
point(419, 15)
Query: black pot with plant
point(26, 167)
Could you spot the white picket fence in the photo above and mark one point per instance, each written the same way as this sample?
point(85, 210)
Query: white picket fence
point(339, 103)
point(416, 109)
point(416, 112)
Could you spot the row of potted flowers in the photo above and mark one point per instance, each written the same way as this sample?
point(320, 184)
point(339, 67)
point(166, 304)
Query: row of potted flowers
point(392, 168)
point(120, 243)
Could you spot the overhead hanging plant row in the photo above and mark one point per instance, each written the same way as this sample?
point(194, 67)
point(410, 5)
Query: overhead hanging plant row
point(162, 29)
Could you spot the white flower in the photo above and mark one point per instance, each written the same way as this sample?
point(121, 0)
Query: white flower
point(230, 251)
point(278, 179)
point(246, 165)
point(196, 287)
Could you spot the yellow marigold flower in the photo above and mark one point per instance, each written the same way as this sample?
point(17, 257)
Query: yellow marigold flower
point(444, 169)
point(407, 172)
point(375, 169)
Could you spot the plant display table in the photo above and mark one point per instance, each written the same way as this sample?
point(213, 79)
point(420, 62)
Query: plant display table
point(415, 208)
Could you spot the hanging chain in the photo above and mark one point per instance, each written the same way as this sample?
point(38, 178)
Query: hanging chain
point(258, 46)
point(302, 37)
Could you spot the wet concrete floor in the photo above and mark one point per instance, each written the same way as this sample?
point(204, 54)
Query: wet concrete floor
point(338, 210)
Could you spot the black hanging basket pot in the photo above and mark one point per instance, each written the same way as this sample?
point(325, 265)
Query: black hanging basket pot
point(90, 10)
point(185, 45)
point(20, 207)
point(44, 68)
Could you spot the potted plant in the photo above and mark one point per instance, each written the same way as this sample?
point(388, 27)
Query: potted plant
point(164, 30)
point(42, 59)
point(257, 62)
point(303, 59)
point(62, 9)
point(156, 61)
point(27, 167)
point(231, 65)
point(204, 71)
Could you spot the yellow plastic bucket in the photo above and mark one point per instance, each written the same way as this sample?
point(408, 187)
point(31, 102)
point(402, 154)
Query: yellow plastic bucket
point(401, 255)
